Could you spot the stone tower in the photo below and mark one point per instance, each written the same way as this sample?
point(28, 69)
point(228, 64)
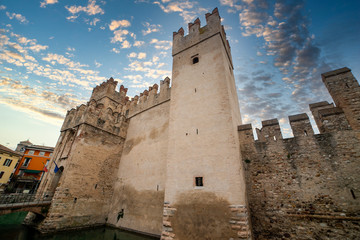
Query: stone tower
point(345, 91)
point(205, 188)
point(86, 153)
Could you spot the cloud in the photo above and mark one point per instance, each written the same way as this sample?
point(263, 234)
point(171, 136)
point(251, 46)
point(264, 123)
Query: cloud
point(161, 44)
point(118, 23)
point(71, 18)
point(138, 43)
point(188, 10)
point(90, 9)
point(125, 44)
point(18, 17)
point(115, 50)
point(119, 35)
point(97, 64)
point(38, 48)
point(2, 7)
point(232, 4)
point(36, 100)
point(94, 21)
point(47, 2)
point(141, 55)
point(150, 28)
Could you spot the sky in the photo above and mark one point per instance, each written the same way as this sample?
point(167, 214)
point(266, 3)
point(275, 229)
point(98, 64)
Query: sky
point(54, 52)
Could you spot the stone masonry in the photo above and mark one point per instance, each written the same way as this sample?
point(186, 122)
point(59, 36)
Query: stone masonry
point(178, 164)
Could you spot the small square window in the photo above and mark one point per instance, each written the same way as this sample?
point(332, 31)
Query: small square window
point(31, 152)
point(195, 60)
point(42, 153)
point(199, 182)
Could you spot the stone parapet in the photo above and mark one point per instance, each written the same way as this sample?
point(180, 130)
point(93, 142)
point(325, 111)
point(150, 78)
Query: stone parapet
point(148, 99)
point(198, 34)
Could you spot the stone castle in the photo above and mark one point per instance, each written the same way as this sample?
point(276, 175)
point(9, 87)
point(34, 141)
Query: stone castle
point(179, 164)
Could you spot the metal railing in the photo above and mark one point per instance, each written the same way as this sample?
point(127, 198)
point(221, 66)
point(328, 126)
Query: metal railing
point(19, 199)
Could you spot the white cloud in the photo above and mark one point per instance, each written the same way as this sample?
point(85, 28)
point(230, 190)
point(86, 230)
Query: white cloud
point(125, 44)
point(38, 47)
point(71, 18)
point(2, 7)
point(94, 21)
point(17, 16)
point(134, 78)
point(139, 43)
point(119, 35)
point(161, 44)
point(150, 28)
point(141, 55)
point(118, 23)
point(132, 55)
point(90, 9)
point(46, 2)
point(115, 50)
point(97, 64)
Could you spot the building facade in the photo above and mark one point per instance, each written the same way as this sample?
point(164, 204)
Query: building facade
point(31, 167)
point(8, 162)
point(179, 164)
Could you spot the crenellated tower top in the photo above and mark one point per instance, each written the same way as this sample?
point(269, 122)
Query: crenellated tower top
point(198, 34)
point(107, 89)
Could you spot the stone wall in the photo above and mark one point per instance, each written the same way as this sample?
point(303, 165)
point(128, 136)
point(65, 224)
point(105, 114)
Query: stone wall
point(138, 198)
point(306, 187)
point(84, 191)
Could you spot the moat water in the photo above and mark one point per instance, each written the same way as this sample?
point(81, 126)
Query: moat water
point(12, 229)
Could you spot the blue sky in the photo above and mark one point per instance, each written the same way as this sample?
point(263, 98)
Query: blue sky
point(53, 52)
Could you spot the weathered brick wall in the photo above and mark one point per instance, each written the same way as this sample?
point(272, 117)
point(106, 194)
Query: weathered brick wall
point(306, 187)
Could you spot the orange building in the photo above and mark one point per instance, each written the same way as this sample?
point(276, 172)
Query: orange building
point(31, 167)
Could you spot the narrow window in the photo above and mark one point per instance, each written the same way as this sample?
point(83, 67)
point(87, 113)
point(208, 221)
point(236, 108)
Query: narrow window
point(199, 181)
point(27, 161)
point(75, 199)
point(195, 89)
point(127, 113)
point(197, 131)
point(7, 162)
point(1, 174)
point(305, 133)
point(195, 60)
point(274, 138)
point(353, 194)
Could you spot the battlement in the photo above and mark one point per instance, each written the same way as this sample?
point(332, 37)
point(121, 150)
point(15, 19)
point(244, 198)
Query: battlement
point(198, 34)
point(97, 115)
point(108, 89)
point(345, 91)
point(148, 98)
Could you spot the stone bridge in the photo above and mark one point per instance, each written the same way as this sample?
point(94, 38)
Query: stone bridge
point(23, 203)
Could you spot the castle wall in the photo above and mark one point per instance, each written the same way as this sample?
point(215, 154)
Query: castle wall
point(306, 187)
point(203, 141)
point(140, 180)
point(83, 194)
